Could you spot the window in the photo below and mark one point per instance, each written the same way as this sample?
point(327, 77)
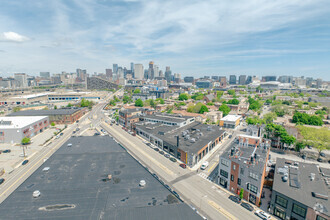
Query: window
point(224, 173)
point(242, 171)
point(234, 167)
point(281, 201)
point(232, 178)
point(224, 162)
point(320, 218)
point(299, 210)
point(239, 181)
point(253, 175)
point(252, 188)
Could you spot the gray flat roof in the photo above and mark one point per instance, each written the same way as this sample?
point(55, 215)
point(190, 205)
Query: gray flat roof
point(168, 117)
point(75, 178)
point(302, 194)
point(65, 111)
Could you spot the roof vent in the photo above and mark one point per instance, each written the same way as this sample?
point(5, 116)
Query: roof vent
point(284, 178)
point(320, 196)
point(312, 176)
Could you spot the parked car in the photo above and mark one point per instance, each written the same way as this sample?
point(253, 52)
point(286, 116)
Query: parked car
point(161, 152)
point(167, 155)
point(2, 180)
point(61, 134)
point(77, 129)
point(36, 194)
point(235, 199)
point(6, 151)
point(184, 166)
point(172, 159)
point(176, 194)
point(322, 154)
point(205, 165)
point(262, 214)
point(97, 134)
point(25, 162)
point(156, 149)
point(69, 145)
point(319, 159)
point(303, 156)
point(247, 206)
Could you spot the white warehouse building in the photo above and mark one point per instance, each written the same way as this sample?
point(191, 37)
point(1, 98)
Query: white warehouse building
point(14, 129)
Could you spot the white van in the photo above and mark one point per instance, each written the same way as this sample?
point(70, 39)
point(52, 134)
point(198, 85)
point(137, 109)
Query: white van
point(204, 165)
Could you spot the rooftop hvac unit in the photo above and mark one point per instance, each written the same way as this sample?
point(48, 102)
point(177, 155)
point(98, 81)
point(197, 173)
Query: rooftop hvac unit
point(192, 140)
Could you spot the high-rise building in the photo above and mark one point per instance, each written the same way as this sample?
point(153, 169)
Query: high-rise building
point(156, 71)
point(309, 81)
point(108, 73)
point(168, 74)
point(215, 78)
point(45, 75)
point(120, 73)
point(151, 73)
point(115, 68)
point(268, 78)
point(319, 83)
point(223, 81)
point(188, 79)
point(132, 67)
point(232, 79)
point(21, 79)
point(248, 80)
point(242, 79)
point(161, 74)
point(138, 71)
point(285, 79)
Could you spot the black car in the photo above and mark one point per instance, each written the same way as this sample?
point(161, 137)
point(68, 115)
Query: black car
point(235, 199)
point(161, 152)
point(6, 151)
point(97, 134)
point(322, 154)
point(25, 162)
point(2, 180)
point(247, 206)
point(61, 134)
point(319, 159)
point(303, 156)
point(172, 159)
point(176, 194)
point(156, 149)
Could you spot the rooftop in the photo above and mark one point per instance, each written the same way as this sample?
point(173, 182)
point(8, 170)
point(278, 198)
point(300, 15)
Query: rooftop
point(62, 111)
point(18, 122)
point(304, 183)
point(77, 182)
point(230, 118)
point(168, 117)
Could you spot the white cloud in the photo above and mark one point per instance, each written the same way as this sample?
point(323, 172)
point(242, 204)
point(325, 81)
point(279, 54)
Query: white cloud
point(13, 37)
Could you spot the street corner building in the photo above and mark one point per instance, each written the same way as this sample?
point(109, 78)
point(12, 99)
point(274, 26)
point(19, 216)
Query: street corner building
point(243, 166)
point(188, 143)
point(14, 129)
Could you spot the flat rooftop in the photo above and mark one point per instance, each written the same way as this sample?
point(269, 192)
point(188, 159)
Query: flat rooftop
point(232, 118)
point(299, 185)
point(168, 117)
point(75, 179)
point(62, 111)
point(18, 122)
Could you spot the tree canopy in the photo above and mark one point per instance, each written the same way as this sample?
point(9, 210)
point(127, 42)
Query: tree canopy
point(139, 103)
point(233, 102)
point(136, 91)
point(225, 109)
point(25, 140)
point(316, 137)
point(183, 96)
point(303, 118)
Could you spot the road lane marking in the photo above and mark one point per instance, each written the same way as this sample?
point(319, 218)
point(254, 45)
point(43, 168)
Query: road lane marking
point(145, 154)
point(221, 210)
point(211, 167)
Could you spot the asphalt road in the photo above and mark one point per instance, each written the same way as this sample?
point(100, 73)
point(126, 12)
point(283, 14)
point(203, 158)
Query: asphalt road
point(210, 199)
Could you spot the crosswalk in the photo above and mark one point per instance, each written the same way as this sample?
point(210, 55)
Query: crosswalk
point(205, 176)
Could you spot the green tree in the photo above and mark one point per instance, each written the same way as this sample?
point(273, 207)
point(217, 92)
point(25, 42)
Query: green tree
point(203, 109)
point(127, 99)
point(139, 103)
point(69, 105)
point(136, 91)
point(183, 96)
point(25, 140)
point(219, 94)
point(152, 103)
point(231, 92)
point(225, 109)
point(269, 101)
point(17, 109)
point(55, 107)
point(241, 193)
point(318, 138)
point(112, 102)
point(254, 120)
point(270, 117)
point(161, 101)
point(52, 124)
point(233, 102)
point(299, 146)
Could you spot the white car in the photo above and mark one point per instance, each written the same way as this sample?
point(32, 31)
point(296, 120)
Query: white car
point(36, 194)
point(262, 214)
point(45, 169)
point(205, 165)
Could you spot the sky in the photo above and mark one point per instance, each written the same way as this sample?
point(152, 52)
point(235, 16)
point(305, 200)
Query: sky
point(194, 38)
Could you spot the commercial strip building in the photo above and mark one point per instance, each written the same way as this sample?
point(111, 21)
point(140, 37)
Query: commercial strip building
point(189, 143)
point(243, 166)
point(14, 129)
point(58, 116)
point(300, 191)
point(230, 121)
point(95, 178)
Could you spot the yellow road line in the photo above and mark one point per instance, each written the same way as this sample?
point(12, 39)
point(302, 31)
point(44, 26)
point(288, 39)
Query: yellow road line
point(211, 167)
point(221, 210)
point(146, 155)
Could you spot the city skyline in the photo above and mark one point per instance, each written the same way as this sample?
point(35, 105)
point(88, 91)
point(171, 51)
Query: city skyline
point(255, 38)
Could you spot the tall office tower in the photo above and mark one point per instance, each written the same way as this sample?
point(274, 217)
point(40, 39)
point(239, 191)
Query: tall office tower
point(319, 83)
point(223, 81)
point(151, 73)
point(168, 74)
point(232, 79)
point(115, 68)
point(132, 67)
point(45, 75)
point(300, 81)
point(21, 79)
point(161, 74)
point(285, 79)
point(120, 73)
point(138, 71)
point(188, 79)
point(248, 80)
point(309, 81)
point(268, 78)
point(156, 71)
point(242, 79)
point(145, 75)
point(108, 73)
